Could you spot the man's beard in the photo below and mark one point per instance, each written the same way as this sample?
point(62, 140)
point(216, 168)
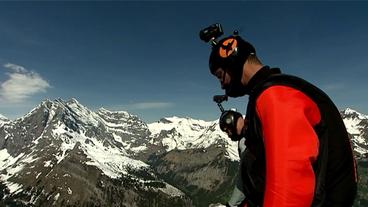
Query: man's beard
point(235, 89)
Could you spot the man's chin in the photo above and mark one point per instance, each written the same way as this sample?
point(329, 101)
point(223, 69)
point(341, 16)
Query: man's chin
point(235, 92)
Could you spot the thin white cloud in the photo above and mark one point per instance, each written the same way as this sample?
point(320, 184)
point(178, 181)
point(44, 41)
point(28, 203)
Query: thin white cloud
point(150, 105)
point(15, 68)
point(333, 86)
point(21, 84)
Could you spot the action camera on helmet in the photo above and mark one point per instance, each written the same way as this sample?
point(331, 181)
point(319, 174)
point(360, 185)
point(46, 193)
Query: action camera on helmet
point(211, 33)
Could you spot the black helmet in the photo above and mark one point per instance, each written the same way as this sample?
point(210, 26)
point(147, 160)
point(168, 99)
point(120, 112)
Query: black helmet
point(230, 54)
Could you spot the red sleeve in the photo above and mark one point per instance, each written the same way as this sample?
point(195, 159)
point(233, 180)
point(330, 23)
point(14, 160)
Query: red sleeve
point(291, 145)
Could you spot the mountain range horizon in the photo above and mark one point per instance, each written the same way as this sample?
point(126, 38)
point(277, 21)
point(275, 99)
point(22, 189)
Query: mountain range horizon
point(73, 99)
point(63, 154)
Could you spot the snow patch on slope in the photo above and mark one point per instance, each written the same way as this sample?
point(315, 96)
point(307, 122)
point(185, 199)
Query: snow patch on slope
point(113, 161)
point(11, 167)
point(187, 133)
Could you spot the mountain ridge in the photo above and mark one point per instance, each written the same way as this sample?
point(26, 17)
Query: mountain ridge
point(65, 141)
point(59, 144)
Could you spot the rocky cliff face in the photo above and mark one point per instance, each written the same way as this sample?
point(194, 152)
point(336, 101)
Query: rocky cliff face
point(205, 175)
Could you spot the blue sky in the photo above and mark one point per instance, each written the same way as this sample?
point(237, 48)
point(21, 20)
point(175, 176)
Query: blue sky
point(146, 57)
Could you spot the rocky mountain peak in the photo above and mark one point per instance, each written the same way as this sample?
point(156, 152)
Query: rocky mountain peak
point(109, 112)
point(73, 101)
point(357, 126)
point(64, 144)
point(2, 117)
point(3, 120)
point(353, 114)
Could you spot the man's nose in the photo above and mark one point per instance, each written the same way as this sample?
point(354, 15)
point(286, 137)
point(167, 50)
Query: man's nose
point(222, 85)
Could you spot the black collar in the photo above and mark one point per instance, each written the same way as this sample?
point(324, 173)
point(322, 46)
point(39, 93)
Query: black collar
point(261, 76)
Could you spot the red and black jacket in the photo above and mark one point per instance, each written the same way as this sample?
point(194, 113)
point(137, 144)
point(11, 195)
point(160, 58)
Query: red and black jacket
point(298, 150)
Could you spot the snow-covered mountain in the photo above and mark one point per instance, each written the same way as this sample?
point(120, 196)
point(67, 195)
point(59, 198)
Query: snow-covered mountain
point(199, 158)
point(3, 119)
point(357, 126)
point(69, 123)
point(61, 153)
point(186, 133)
